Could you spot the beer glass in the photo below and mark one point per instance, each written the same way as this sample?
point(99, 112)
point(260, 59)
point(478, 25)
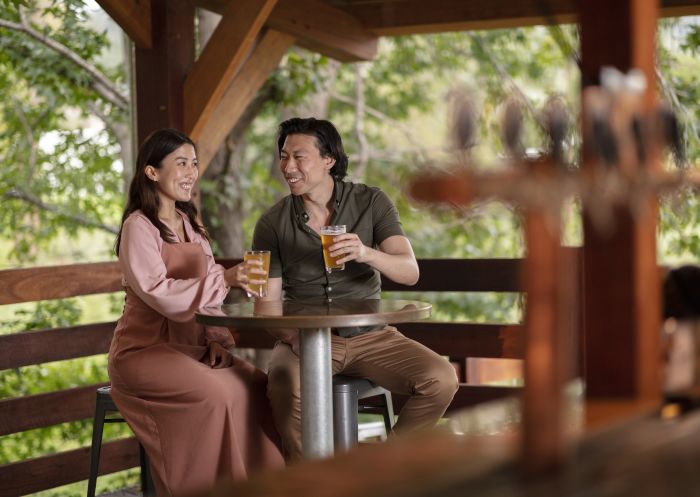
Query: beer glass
point(327, 235)
point(264, 257)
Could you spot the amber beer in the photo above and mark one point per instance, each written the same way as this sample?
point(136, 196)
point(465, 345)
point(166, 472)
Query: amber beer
point(259, 255)
point(327, 235)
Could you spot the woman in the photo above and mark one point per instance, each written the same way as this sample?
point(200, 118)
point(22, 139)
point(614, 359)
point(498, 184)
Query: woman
point(200, 414)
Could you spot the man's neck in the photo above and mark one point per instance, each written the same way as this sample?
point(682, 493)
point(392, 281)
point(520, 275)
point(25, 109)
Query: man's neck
point(318, 204)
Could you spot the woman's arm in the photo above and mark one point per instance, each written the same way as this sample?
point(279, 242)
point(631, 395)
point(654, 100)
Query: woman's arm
point(145, 273)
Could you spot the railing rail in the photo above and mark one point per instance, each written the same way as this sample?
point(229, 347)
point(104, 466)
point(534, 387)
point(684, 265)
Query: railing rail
point(456, 339)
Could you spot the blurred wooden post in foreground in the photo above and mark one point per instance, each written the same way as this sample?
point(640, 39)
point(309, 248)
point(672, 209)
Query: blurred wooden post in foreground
point(621, 279)
point(549, 289)
point(544, 277)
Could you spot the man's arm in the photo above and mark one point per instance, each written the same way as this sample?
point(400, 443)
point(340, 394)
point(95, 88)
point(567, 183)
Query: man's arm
point(394, 257)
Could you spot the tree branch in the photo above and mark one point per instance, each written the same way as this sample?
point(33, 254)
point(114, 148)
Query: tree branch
point(362, 145)
point(100, 82)
point(370, 111)
point(503, 74)
point(15, 194)
point(678, 108)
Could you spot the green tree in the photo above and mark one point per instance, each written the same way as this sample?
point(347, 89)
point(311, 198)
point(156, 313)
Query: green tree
point(63, 126)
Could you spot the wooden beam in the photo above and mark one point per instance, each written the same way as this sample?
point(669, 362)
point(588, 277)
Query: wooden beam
point(465, 275)
point(549, 306)
point(47, 409)
point(317, 26)
point(33, 475)
point(58, 282)
point(161, 70)
point(466, 396)
point(622, 297)
point(405, 17)
point(240, 91)
point(473, 340)
point(58, 344)
point(417, 16)
point(478, 340)
point(221, 60)
point(133, 16)
point(459, 275)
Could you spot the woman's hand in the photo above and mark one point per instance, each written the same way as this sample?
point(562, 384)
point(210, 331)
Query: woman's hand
point(243, 274)
point(219, 357)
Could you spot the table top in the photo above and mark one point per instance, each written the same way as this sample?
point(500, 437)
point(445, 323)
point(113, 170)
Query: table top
point(314, 314)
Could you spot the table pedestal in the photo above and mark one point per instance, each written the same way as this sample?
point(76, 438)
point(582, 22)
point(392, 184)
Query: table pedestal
point(316, 393)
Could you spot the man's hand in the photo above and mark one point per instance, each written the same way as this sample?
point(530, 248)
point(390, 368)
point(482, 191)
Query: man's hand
point(393, 258)
point(350, 247)
point(219, 357)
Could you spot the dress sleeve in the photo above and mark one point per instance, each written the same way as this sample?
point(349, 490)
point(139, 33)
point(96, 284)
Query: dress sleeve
point(145, 273)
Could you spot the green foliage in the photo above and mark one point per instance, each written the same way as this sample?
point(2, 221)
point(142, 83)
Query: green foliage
point(300, 73)
point(46, 315)
point(60, 168)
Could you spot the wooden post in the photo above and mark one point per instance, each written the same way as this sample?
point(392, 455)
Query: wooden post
point(547, 282)
point(161, 70)
point(621, 280)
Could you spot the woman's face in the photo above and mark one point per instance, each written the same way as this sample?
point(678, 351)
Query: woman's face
point(177, 175)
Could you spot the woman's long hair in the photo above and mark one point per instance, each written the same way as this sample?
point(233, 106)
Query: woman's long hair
point(142, 191)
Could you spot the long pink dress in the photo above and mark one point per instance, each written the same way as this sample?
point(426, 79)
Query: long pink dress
point(197, 424)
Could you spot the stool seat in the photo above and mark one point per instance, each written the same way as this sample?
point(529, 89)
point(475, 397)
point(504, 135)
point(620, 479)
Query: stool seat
point(347, 392)
point(103, 405)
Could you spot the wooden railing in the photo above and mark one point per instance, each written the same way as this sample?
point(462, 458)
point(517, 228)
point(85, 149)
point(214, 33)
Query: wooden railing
point(454, 339)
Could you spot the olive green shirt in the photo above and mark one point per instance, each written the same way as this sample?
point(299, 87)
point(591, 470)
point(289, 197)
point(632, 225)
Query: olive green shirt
point(295, 249)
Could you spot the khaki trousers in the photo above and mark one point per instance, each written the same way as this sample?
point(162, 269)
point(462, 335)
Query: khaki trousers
point(385, 357)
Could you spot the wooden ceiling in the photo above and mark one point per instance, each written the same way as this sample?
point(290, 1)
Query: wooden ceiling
point(402, 17)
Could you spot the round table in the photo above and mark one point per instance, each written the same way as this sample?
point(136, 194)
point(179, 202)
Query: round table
point(314, 319)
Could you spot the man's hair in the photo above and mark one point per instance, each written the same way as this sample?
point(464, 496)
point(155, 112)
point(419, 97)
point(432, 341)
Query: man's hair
point(328, 140)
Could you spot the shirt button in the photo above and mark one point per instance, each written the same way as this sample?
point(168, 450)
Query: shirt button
point(329, 289)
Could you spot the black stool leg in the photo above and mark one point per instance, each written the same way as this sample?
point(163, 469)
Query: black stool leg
point(388, 412)
point(147, 487)
point(97, 427)
point(345, 417)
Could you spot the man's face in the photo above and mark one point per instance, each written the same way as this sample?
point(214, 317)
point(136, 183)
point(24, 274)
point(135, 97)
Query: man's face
point(302, 165)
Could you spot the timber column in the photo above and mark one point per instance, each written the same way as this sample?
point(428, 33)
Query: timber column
point(622, 308)
point(161, 69)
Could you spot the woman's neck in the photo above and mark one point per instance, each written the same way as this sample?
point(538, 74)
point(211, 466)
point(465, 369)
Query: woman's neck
point(167, 212)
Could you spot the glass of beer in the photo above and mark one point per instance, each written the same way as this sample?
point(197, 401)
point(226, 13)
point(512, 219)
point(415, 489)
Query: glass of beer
point(264, 257)
point(327, 235)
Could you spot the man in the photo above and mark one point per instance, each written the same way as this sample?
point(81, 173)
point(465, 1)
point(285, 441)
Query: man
point(313, 162)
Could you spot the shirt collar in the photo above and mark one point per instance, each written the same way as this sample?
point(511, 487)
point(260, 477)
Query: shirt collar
point(338, 198)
